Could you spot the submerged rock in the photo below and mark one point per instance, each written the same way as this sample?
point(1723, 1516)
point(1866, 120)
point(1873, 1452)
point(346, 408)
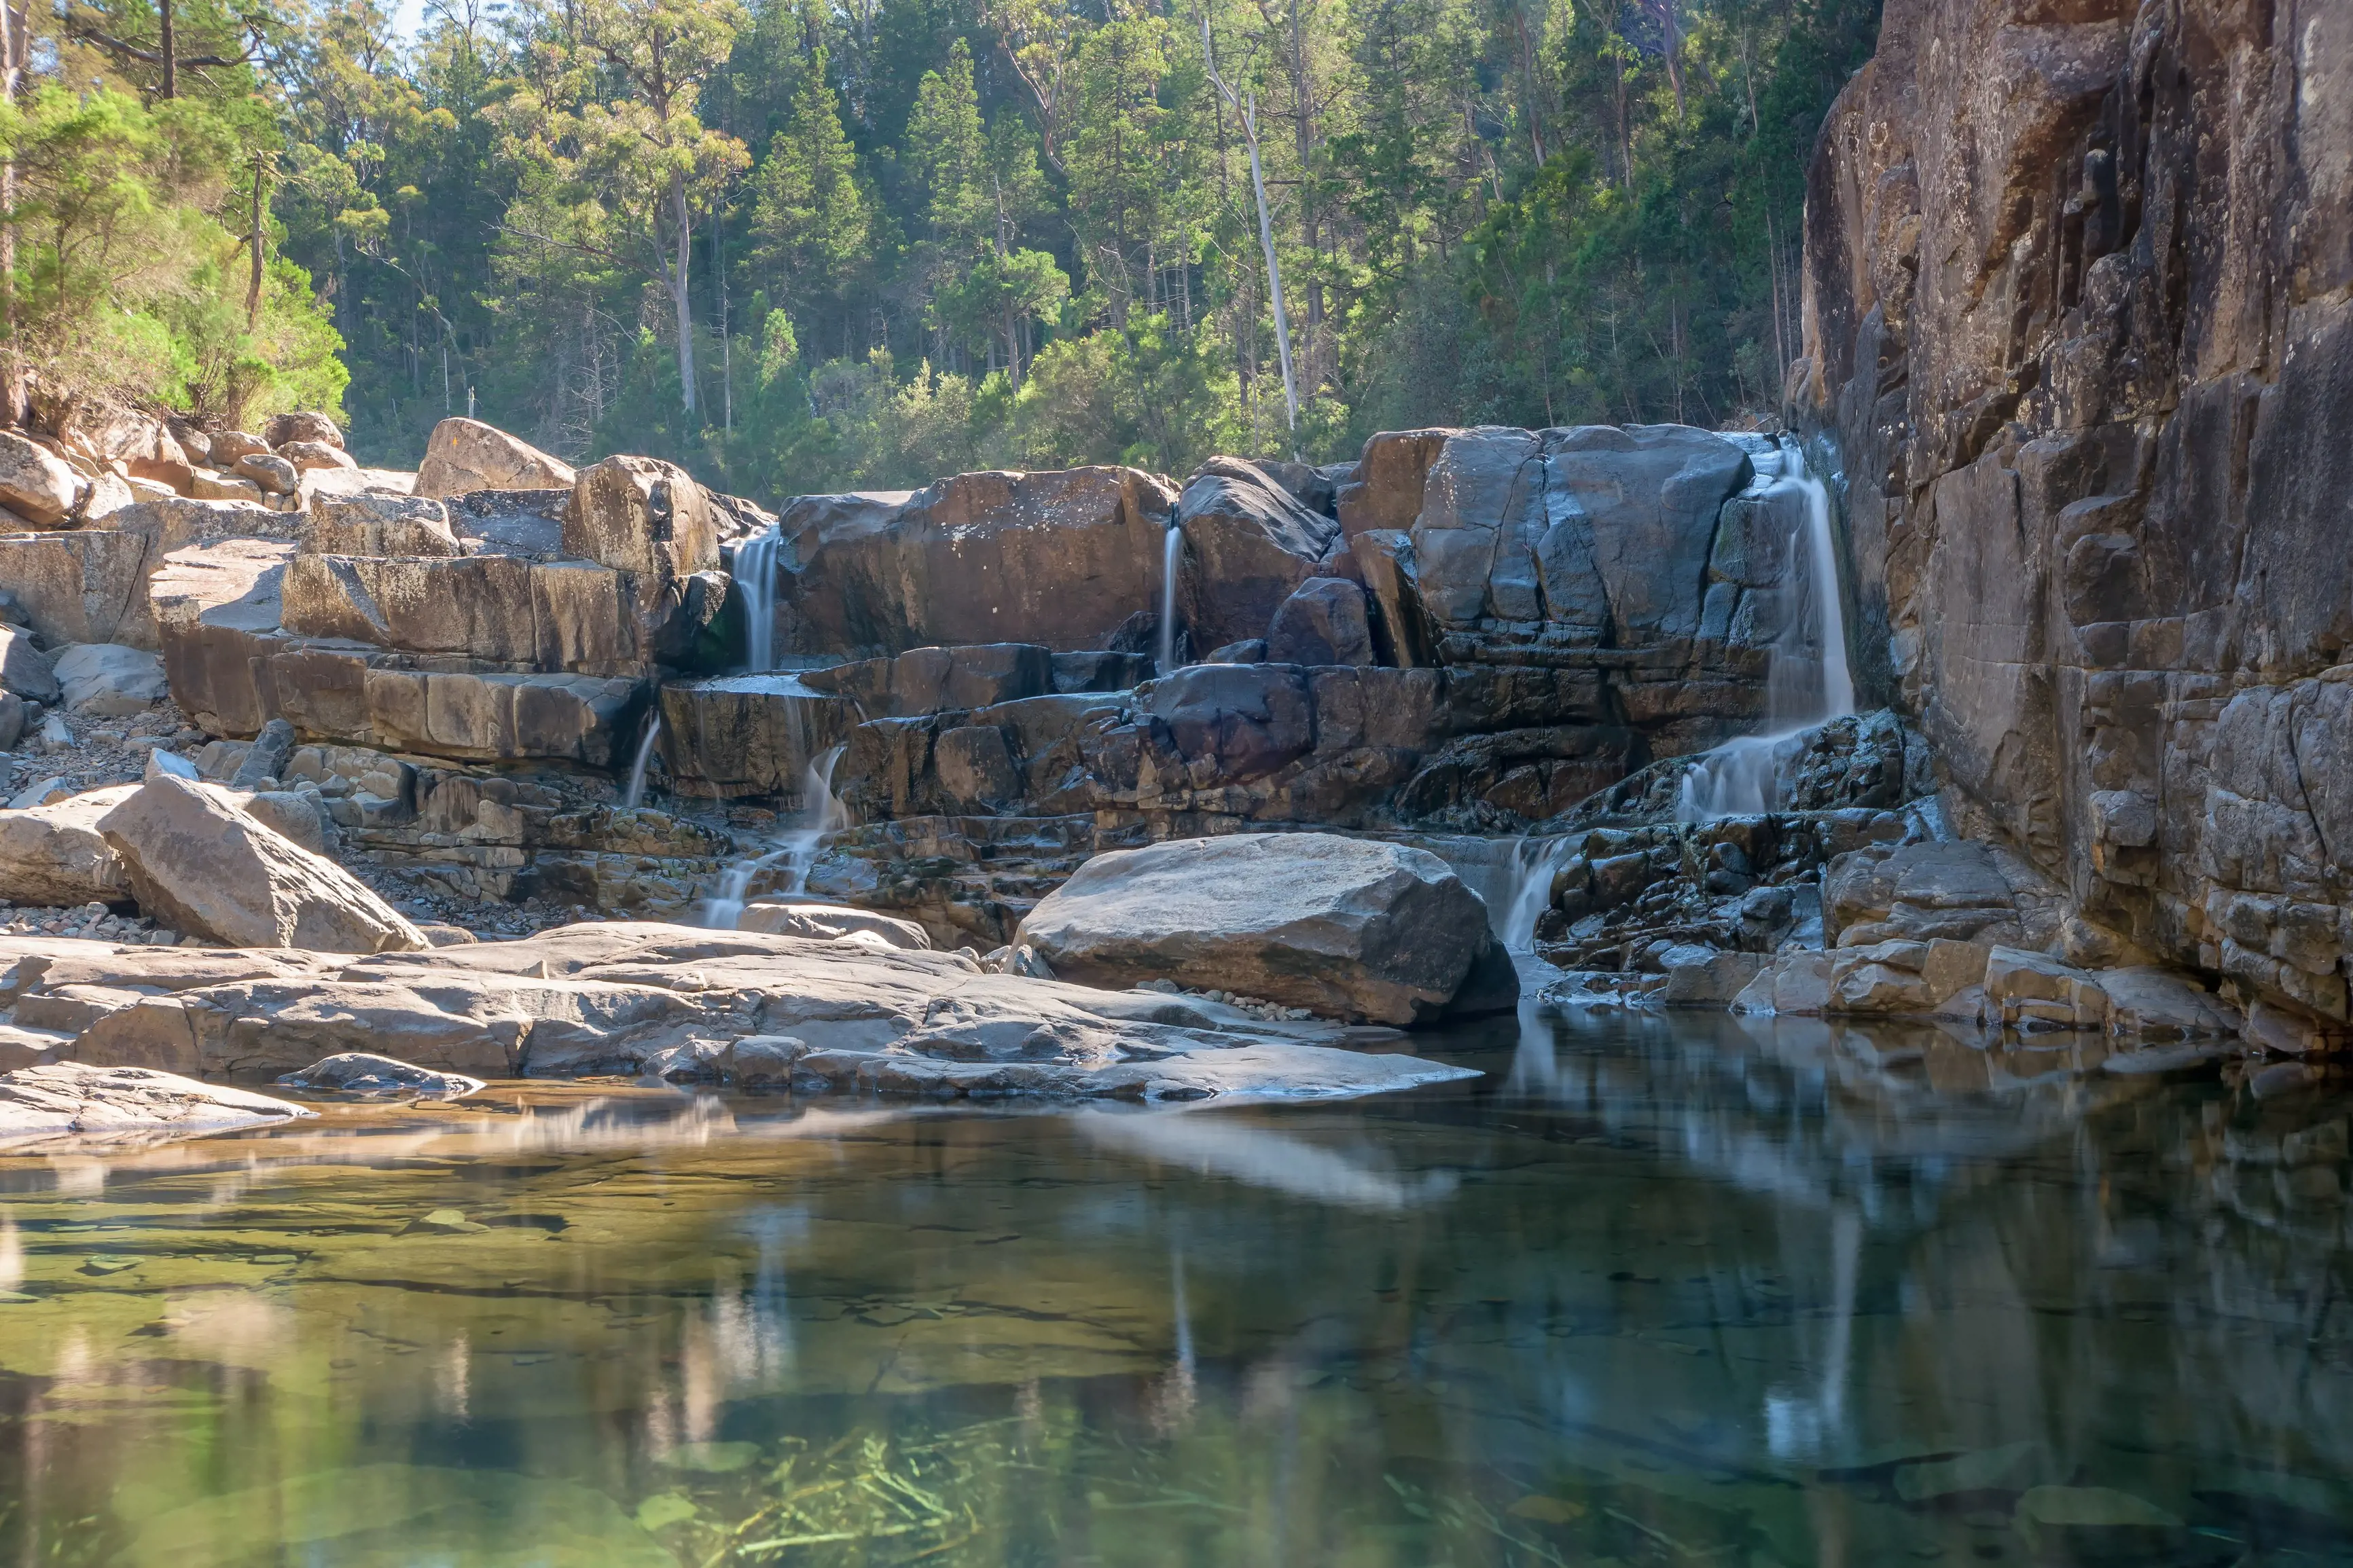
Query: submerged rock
point(76, 1100)
point(1346, 927)
point(360, 1072)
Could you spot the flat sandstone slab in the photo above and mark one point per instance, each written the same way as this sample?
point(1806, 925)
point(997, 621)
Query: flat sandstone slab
point(629, 997)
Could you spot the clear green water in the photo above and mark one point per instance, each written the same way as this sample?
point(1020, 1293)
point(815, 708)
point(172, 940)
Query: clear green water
point(1672, 1293)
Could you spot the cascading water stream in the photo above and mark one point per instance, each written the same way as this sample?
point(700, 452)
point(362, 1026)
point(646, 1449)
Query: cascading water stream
point(1810, 683)
point(756, 578)
point(636, 791)
point(1172, 558)
point(794, 849)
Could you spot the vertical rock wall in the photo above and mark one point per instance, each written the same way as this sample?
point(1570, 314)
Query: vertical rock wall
point(2079, 316)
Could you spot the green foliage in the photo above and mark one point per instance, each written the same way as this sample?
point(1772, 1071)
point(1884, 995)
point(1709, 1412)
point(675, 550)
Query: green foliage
point(822, 247)
point(130, 284)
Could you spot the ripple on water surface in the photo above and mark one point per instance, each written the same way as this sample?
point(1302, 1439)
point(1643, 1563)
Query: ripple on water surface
point(1652, 1293)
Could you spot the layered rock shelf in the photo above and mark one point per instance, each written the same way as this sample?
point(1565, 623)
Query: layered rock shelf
point(1577, 690)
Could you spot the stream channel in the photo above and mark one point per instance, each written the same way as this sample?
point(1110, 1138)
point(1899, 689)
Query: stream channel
point(1657, 1290)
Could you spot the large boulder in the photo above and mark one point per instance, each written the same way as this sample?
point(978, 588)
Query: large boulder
point(1248, 543)
point(465, 454)
point(303, 425)
point(109, 680)
point(35, 482)
point(54, 856)
point(378, 525)
point(1060, 558)
point(1323, 623)
point(197, 861)
point(1346, 926)
point(642, 515)
point(25, 670)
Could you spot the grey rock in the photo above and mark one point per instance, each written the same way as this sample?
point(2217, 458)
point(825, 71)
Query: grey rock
point(299, 816)
point(304, 424)
point(1249, 545)
point(1250, 650)
point(273, 473)
point(52, 854)
point(79, 1103)
point(464, 455)
point(265, 760)
point(35, 482)
point(360, 1072)
point(109, 681)
point(1323, 622)
point(43, 793)
point(615, 996)
point(828, 922)
point(24, 669)
point(1348, 928)
point(201, 865)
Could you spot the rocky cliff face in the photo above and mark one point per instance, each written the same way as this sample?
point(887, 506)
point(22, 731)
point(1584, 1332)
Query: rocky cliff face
point(2079, 311)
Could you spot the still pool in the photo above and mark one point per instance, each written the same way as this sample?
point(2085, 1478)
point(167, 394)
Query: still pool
point(1652, 1291)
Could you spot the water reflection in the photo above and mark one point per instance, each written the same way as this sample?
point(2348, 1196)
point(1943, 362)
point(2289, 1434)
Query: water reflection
point(1656, 1290)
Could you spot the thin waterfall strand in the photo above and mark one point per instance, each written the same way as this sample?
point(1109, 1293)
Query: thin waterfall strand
point(795, 850)
point(1810, 682)
point(636, 791)
point(1172, 557)
point(755, 579)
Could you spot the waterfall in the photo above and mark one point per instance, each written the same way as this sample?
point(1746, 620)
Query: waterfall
point(1172, 556)
point(1526, 889)
point(637, 788)
point(794, 849)
point(1810, 683)
point(755, 579)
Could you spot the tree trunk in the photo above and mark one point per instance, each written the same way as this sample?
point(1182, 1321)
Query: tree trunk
point(166, 49)
point(253, 249)
point(679, 295)
point(1273, 281)
point(15, 26)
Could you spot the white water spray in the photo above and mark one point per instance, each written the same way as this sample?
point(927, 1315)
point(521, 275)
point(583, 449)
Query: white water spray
point(1172, 557)
point(1810, 682)
point(755, 579)
point(636, 791)
point(796, 849)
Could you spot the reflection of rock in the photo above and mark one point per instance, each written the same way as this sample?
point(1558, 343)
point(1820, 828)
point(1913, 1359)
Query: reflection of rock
point(72, 1100)
point(605, 998)
point(1346, 927)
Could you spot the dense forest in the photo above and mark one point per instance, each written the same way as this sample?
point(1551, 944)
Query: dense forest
point(803, 247)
